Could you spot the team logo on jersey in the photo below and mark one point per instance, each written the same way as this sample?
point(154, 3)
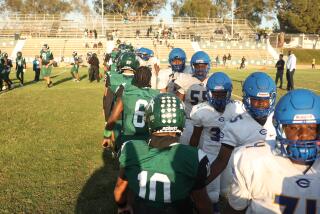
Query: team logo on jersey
point(303, 183)
point(221, 135)
point(263, 131)
point(221, 119)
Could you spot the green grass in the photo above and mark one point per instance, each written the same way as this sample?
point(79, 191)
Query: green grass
point(51, 160)
point(305, 56)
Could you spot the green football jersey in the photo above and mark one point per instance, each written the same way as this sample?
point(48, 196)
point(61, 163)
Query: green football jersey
point(117, 79)
point(46, 56)
point(113, 68)
point(161, 176)
point(134, 102)
point(20, 62)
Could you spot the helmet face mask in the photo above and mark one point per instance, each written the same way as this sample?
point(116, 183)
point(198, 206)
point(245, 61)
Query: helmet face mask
point(297, 125)
point(145, 53)
point(259, 95)
point(19, 54)
point(200, 65)
point(177, 55)
point(165, 114)
point(219, 89)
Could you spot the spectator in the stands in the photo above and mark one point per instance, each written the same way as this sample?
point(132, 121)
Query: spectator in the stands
point(95, 33)
point(217, 60)
point(224, 59)
point(243, 63)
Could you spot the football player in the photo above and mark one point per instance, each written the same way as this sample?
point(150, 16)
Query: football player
point(7, 65)
point(148, 59)
point(46, 61)
point(130, 104)
point(178, 69)
point(192, 89)
point(281, 176)
point(114, 86)
point(162, 176)
point(20, 67)
point(75, 67)
point(259, 97)
point(1, 71)
point(208, 119)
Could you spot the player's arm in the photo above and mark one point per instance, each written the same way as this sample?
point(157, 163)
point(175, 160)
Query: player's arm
point(220, 163)
point(122, 194)
point(51, 60)
point(230, 210)
point(24, 63)
point(195, 137)
point(179, 92)
point(199, 193)
point(116, 113)
point(239, 197)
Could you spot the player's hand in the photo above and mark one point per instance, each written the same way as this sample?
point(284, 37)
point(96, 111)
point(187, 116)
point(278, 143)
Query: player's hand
point(109, 142)
point(125, 210)
point(47, 66)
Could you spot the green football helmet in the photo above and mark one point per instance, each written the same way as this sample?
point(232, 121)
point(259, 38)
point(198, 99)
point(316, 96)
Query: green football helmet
point(128, 61)
point(165, 113)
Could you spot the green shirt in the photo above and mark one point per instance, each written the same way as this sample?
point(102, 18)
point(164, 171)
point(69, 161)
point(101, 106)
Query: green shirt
point(46, 56)
point(162, 176)
point(134, 102)
point(20, 62)
point(116, 79)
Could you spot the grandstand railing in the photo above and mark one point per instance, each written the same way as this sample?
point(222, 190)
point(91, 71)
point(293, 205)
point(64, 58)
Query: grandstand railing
point(56, 25)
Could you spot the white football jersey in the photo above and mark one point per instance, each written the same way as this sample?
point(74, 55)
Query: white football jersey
point(194, 90)
point(269, 183)
point(243, 129)
point(212, 121)
point(151, 63)
point(166, 78)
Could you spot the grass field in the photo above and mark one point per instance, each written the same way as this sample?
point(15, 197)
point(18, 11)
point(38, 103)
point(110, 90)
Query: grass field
point(51, 160)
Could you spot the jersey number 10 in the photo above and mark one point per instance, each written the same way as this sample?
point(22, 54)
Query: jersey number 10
point(156, 177)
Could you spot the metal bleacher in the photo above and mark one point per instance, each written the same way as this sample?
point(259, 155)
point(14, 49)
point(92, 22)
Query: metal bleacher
point(66, 35)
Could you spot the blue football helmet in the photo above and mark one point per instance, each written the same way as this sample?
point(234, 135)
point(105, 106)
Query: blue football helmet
point(177, 53)
point(219, 81)
point(145, 53)
point(299, 106)
point(200, 57)
point(259, 86)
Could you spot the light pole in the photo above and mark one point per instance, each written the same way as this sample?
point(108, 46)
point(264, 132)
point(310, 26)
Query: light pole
point(102, 14)
point(232, 19)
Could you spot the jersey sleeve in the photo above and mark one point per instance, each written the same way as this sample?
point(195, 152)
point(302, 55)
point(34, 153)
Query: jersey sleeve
point(228, 134)
point(183, 82)
point(203, 170)
point(163, 78)
point(124, 158)
point(195, 116)
point(240, 196)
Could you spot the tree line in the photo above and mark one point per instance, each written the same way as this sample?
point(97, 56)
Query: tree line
point(294, 16)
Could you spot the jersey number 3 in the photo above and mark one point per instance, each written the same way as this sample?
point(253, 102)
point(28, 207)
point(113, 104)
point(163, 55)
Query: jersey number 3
point(138, 118)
